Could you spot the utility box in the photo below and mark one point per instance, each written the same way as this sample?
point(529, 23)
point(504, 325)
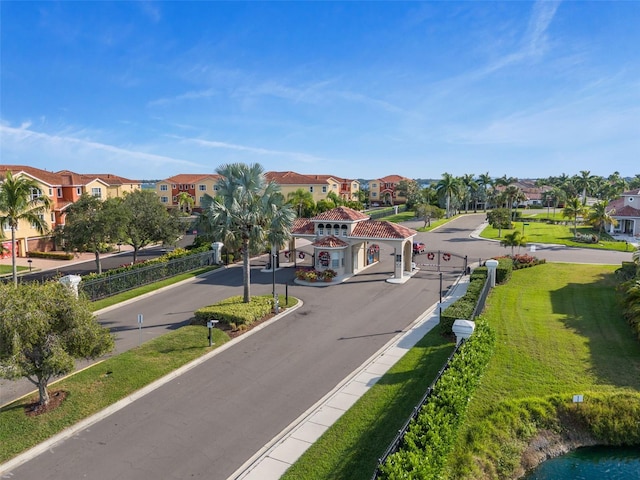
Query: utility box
point(217, 252)
point(463, 329)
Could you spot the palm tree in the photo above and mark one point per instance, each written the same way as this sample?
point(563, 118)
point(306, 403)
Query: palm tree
point(573, 209)
point(246, 208)
point(280, 228)
point(513, 239)
point(584, 182)
point(484, 181)
point(469, 188)
point(599, 216)
point(448, 187)
point(513, 195)
point(185, 202)
point(21, 200)
point(558, 196)
point(301, 199)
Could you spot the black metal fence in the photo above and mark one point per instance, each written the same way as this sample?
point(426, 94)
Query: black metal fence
point(121, 282)
point(397, 441)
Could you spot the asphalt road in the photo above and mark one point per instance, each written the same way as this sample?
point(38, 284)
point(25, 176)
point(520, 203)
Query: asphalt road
point(208, 422)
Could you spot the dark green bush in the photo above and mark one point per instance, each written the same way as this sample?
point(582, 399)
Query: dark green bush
point(504, 270)
point(463, 307)
point(431, 435)
point(51, 255)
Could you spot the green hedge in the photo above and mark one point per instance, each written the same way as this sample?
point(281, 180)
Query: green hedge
point(234, 312)
point(431, 435)
point(51, 255)
point(504, 270)
point(463, 307)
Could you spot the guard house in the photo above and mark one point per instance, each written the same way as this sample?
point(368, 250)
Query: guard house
point(347, 241)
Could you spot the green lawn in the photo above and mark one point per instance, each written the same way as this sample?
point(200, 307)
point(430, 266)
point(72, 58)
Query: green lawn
point(559, 333)
point(7, 269)
point(538, 232)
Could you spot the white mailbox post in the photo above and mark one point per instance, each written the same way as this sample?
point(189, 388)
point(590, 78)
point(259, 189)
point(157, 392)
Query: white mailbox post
point(72, 282)
point(492, 265)
point(463, 329)
point(217, 252)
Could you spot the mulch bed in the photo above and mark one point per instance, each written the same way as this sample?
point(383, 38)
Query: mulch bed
point(55, 400)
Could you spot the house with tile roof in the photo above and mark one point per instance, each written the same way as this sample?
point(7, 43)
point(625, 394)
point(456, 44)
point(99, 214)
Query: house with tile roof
point(347, 241)
point(196, 185)
point(384, 190)
point(63, 188)
point(626, 210)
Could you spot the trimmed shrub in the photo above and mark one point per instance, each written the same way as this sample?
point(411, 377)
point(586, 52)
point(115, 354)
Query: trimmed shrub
point(234, 311)
point(51, 255)
point(504, 269)
point(431, 435)
point(463, 307)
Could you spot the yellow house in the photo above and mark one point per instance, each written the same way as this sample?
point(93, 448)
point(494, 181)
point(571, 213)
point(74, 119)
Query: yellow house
point(195, 185)
point(63, 188)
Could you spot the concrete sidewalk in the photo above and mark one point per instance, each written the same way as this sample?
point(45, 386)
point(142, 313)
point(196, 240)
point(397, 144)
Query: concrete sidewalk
point(273, 460)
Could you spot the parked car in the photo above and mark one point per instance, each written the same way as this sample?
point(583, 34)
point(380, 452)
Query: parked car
point(419, 247)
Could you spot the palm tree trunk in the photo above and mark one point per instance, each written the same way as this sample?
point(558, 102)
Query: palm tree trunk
point(246, 276)
point(14, 268)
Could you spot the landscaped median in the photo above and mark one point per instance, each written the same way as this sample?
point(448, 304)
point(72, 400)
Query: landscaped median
point(101, 385)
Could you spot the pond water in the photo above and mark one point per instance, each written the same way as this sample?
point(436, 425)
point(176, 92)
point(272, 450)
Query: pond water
point(591, 463)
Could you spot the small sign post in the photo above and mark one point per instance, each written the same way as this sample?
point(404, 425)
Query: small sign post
point(140, 321)
point(210, 325)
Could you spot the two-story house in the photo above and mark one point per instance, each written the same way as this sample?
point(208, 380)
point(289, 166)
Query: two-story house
point(63, 188)
point(196, 185)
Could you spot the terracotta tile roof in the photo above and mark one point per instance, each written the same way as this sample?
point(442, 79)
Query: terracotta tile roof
point(618, 203)
point(341, 214)
point(110, 178)
point(293, 178)
point(49, 178)
point(330, 242)
point(393, 179)
point(376, 229)
point(303, 226)
point(631, 193)
point(627, 211)
point(189, 178)
point(69, 178)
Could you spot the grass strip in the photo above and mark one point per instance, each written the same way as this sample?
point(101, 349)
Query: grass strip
point(537, 232)
point(352, 446)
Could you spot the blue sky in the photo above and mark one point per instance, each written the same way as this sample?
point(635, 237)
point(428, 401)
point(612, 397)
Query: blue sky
point(354, 89)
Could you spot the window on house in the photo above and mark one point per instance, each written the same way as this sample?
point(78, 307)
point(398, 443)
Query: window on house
point(96, 192)
point(175, 199)
point(164, 199)
point(164, 187)
point(51, 192)
point(324, 189)
point(35, 193)
point(216, 188)
point(335, 187)
point(53, 217)
point(374, 185)
point(202, 188)
point(193, 187)
point(201, 200)
point(59, 192)
point(173, 186)
point(374, 194)
point(344, 230)
point(79, 190)
point(311, 189)
point(320, 229)
point(336, 230)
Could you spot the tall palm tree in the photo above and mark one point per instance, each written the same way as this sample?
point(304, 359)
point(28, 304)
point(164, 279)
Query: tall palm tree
point(448, 188)
point(22, 200)
point(558, 196)
point(243, 212)
point(573, 209)
point(584, 182)
point(469, 188)
point(599, 216)
point(484, 181)
point(513, 195)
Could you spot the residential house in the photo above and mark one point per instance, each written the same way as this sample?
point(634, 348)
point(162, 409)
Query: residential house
point(345, 188)
point(626, 210)
point(196, 185)
point(317, 185)
point(63, 188)
point(383, 191)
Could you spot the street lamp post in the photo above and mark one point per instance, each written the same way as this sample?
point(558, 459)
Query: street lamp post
point(29, 262)
point(274, 256)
